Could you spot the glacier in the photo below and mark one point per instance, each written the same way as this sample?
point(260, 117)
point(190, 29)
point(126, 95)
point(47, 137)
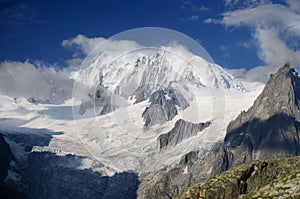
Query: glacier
point(115, 140)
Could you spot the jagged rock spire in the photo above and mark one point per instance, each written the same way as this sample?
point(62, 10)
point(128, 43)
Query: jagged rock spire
point(270, 128)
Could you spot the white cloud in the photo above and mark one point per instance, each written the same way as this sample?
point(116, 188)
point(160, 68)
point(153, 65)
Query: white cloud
point(34, 80)
point(82, 46)
point(18, 14)
point(212, 21)
point(294, 5)
point(191, 18)
point(201, 9)
point(273, 50)
point(226, 54)
point(223, 48)
point(265, 16)
point(256, 74)
point(273, 24)
point(194, 18)
point(245, 44)
point(275, 32)
point(231, 2)
point(275, 28)
point(244, 3)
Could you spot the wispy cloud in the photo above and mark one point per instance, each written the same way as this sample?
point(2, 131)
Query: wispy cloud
point(273, 50)
point(245, 44)
point(19, 14)
point(25, 79)
point(212, 21)
point(294, 5)
point(226, 54)
point(82, 46)
point(223, 48)
point(274, 27)
point(230, 2)
point(234, 4)
point(201, 8)
point(256, 74)
point(193, 18)
point(273, 24)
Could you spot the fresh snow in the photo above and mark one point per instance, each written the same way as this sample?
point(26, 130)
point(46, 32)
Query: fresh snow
point(117, 141)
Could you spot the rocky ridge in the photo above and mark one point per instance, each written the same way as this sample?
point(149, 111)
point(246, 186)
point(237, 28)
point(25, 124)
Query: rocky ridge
point(271, 127)
point(193, 167)
point(6, 157)
point(179, 132)
point(272, 178)
point(164, 106)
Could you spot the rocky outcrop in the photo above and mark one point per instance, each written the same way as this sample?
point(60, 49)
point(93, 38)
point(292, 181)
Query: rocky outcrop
point(101, 101)
point(179, 132)
point(58, 174)
point(5, 158)
point(272, 178)
point(51, 176)
point(193, 167)
point(164, 106)
point(271, 127)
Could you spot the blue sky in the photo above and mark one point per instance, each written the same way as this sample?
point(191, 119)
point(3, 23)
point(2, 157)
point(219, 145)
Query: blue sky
point(35, 29)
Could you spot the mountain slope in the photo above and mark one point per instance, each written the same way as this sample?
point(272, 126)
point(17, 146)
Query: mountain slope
point(272, 178)
point(115, 143)
point(271, 127)
point(6, 157)
point(133, 77)
point(151, 68)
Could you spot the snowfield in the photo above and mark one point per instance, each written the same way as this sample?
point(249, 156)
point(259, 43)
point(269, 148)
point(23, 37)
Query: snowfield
point(117, 141)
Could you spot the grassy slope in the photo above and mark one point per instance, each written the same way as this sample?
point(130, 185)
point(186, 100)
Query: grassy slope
point(272, 178)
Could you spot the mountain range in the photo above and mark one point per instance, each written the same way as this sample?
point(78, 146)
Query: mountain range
point(269, 129)
point(147, 125)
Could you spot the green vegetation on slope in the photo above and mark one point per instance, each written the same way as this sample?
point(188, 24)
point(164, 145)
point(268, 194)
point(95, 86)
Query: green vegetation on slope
point(272, 178)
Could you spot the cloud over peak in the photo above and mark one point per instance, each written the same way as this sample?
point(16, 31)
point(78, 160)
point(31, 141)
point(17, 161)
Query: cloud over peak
point(275, 28)
point(83, 47)
point(25, 79)
point(81, 44)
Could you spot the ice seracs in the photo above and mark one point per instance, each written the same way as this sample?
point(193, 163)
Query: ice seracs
point(110, 96)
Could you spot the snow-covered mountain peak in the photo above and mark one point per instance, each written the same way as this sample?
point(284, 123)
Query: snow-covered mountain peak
point(153, 68)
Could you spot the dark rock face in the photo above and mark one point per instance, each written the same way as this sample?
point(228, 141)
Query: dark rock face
point(5, 158)
point(50, 176)
point(163, 107)
point(193, 167)
point(270, 128)
point(181, 131)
